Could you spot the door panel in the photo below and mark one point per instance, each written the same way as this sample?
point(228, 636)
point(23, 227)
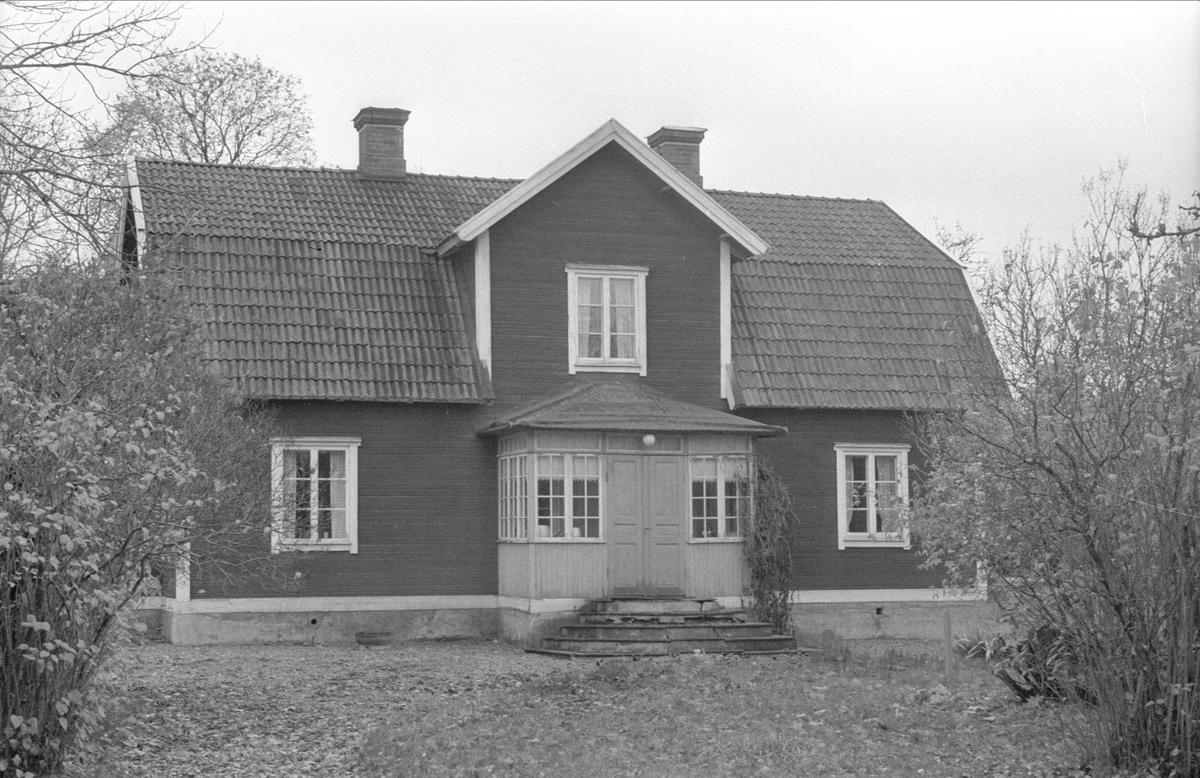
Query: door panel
point(647, 501)
point(664, 509)
point(623, 487)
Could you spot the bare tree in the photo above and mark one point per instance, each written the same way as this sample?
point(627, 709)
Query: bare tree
point(58, 61)
point(219, 108)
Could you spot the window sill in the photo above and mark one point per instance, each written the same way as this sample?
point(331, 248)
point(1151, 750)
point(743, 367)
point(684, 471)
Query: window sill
point(607, 367)
point(863, 543)
point(318, 545)
point(567, 540)
point(716, 540)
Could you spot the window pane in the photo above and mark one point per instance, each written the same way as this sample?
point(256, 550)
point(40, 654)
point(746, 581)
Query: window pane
point(621, 291)
point(856, 468)
point(622, 347)
point(591, 291)
point(885, 468)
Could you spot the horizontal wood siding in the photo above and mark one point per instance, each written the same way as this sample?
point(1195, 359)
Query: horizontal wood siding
point(715, 569)
point(806, 461)
point(426, 503)
point(516, 569)
point(611, 211)
point(570, 570)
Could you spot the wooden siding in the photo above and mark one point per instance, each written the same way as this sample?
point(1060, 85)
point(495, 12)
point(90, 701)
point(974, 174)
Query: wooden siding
point(806, 461)
point(426, 503)
point(516, 570)
point(609, 211)
point(715, 570)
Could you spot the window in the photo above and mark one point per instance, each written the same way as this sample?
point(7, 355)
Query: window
point(606, 318)
point(720, 497)
point(514, 497)
point(315, 492)
point(568, 496)
point(873, 496)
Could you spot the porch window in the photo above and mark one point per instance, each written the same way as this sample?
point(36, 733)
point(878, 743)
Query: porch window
point(514, 497)
point(873, 496)
point(606, 318)
point(315, 494)
point(720, 497)
point(568, 496)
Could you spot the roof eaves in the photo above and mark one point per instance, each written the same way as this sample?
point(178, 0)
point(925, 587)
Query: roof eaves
point(610, 131)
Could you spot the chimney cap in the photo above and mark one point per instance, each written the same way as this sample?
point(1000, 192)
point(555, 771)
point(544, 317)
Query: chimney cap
point(676, 135)
point(388, 117)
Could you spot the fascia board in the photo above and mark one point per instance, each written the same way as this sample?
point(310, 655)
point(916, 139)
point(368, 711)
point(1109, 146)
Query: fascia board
point(139, 215)
point(612, 130)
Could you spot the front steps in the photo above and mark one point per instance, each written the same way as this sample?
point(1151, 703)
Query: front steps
point(641, 627)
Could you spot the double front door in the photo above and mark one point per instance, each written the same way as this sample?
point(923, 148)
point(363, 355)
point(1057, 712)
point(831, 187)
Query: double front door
point(646, 500)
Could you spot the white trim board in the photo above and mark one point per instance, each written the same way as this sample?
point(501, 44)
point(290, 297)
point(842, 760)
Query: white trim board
point(611, 131)
point(483, 299)
point(334, 604)
point(835, 596)
point(139, 215)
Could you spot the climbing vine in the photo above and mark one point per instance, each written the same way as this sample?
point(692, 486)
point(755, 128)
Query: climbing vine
point(769, 550)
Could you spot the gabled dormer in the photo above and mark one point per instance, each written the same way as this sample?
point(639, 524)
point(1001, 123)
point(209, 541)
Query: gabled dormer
point(611, 257)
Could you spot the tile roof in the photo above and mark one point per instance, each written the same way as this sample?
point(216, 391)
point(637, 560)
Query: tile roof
point(321, 285)
point(850, 308)
point(620, 406)
point(315, 283)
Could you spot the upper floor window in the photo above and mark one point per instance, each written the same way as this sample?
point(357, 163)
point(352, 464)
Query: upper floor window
point(607, 318)
point(315, 493)
point(872, 495)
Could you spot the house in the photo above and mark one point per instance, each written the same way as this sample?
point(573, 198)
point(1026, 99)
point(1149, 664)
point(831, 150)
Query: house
point(507, 398)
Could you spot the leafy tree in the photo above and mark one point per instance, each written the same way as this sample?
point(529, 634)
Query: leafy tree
point(1078, 487)
point(221, 108)
point(121, 454)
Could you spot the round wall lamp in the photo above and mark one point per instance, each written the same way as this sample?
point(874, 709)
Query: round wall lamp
point(648, 440)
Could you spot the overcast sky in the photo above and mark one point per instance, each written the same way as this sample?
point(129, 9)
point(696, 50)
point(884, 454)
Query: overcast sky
point(989, 115)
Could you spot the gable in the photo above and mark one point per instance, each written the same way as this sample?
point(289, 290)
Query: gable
point(610, 133)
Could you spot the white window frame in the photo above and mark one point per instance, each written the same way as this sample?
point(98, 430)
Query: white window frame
point(577, 363)
point(848, 539)
point(280, 540)
point(568, 497)
point(743, 520)
point(513, 489)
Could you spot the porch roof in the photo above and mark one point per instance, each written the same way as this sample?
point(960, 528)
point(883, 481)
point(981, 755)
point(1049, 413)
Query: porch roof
point(618, 406)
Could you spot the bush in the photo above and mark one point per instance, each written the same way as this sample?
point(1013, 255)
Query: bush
point(120, 454)
point(768, 549)
point(1076, 487)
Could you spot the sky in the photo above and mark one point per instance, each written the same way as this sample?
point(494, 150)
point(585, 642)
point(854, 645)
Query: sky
point(990, 116)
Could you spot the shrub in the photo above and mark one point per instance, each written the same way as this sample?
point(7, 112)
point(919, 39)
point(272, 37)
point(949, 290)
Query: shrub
point(120, 453)
point(768, 548)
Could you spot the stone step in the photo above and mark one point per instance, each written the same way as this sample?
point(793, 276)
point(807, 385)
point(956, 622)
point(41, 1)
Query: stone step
point(641, 606)
point(668, 631)
point(728, 615)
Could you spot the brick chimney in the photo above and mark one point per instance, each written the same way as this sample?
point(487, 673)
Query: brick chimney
point(381, 142)
point(681, 147)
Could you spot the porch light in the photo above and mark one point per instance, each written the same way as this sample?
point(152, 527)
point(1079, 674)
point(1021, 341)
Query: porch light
point(648, 440)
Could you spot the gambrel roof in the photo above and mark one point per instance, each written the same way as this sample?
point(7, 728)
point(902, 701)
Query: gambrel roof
point(321, 284)
point(317, 284)
point(850, 308)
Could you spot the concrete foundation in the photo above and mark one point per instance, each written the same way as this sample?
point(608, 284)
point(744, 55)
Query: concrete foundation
point(322, 627)
point(921, 620)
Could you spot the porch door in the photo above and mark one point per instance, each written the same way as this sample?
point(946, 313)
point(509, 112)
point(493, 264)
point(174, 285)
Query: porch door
point(646, 500)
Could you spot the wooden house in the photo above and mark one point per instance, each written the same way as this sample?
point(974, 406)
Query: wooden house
point(505, 399)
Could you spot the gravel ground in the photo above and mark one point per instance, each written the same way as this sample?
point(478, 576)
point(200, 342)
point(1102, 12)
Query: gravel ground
point(285, 710)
